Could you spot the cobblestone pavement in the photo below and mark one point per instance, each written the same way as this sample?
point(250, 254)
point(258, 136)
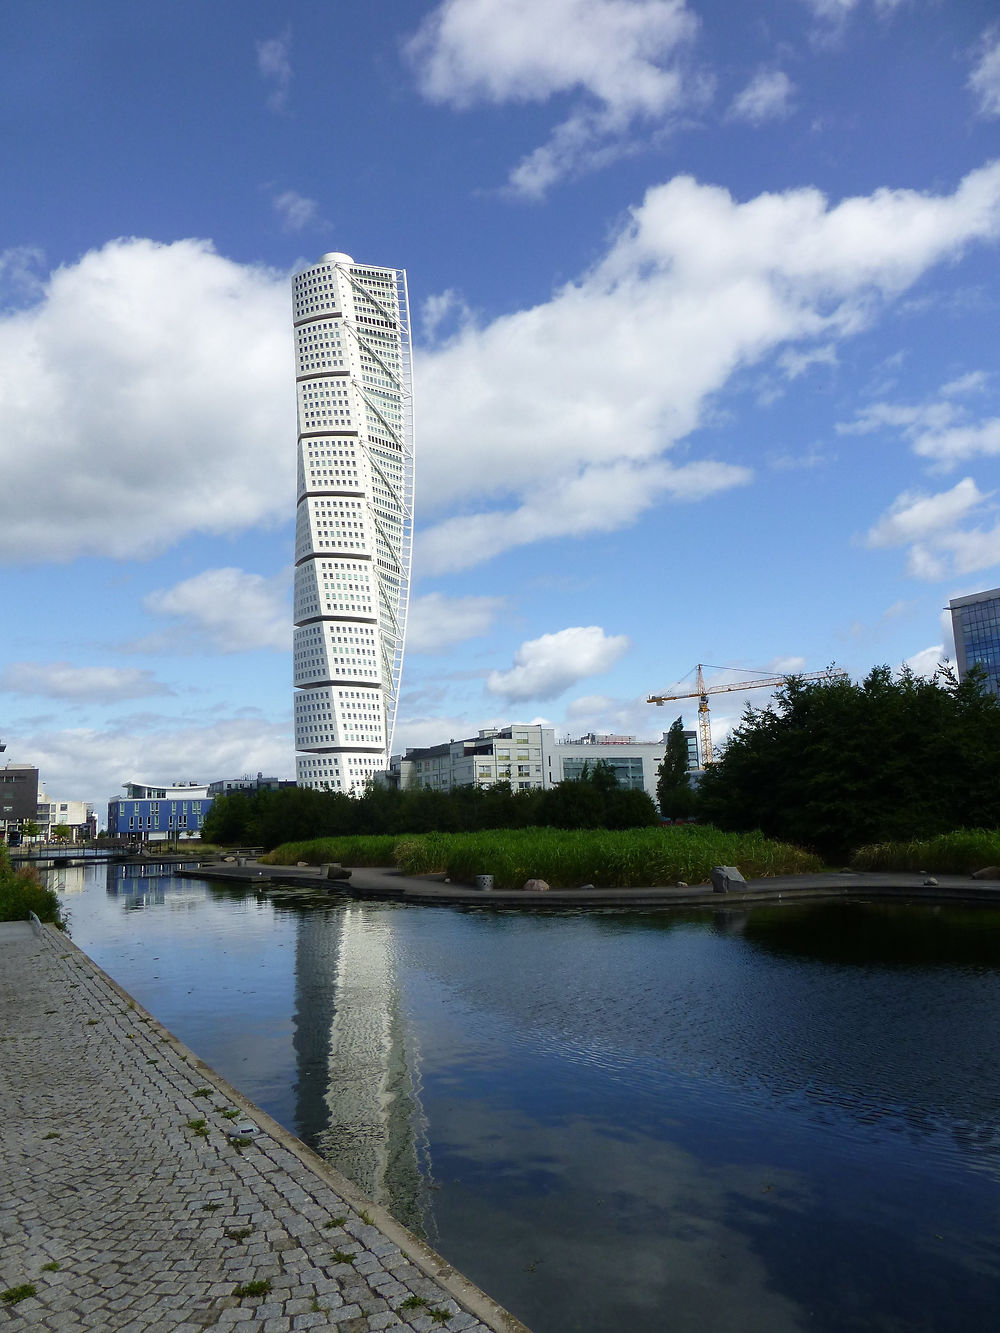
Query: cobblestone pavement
point(139, 1191)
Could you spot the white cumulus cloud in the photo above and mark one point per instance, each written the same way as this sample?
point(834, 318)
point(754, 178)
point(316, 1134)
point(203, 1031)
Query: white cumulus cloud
point(926, 662)
point(620, 56)
point(436, 622)
point(940, 428)
point(88, 764)
point(275, 66)
point(295, 210)
point(984, 81)
point(228, 610)
point(148, 387)
point(932, 527)
point(546, 666)
point(767, 96)
point(63, 680)
point(914, 515)
point(555, 420)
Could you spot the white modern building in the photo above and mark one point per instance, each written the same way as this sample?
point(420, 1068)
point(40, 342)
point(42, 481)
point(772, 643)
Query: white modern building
point(354, 522)
point(77, 816)
point(528, 755)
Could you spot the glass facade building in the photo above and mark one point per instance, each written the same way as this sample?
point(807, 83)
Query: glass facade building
point(354, 517)
point(976, 621)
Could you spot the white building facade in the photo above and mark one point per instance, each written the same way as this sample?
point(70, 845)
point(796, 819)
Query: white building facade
point(354, 520)
point(529, 755)
point(77, 816)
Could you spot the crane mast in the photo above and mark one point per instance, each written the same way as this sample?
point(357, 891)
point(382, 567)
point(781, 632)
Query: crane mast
point(703, 690)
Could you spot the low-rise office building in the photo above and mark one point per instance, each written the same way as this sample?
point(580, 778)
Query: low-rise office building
point(152, 813)
point(528, 755)
point(248, 784)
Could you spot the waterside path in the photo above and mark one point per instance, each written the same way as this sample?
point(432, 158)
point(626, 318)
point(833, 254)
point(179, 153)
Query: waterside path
point(435, 890)
point(126, 1204)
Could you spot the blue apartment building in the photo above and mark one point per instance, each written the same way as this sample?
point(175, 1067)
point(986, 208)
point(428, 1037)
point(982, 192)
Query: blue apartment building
point(148, 813)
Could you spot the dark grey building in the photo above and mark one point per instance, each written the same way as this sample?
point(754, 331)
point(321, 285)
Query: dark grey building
point(976, 621)
point(18, 795)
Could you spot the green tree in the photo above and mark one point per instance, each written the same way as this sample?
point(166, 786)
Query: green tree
point(673, 784)
point(29, 828)
point(61, 831)
point(832, 765)
point(228, 820)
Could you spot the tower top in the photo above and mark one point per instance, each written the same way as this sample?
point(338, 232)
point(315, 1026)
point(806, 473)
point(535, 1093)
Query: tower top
point(336, 257)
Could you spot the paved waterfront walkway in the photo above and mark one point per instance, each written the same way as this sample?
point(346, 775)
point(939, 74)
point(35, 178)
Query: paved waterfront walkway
point(125, 1204)
point(434, 890)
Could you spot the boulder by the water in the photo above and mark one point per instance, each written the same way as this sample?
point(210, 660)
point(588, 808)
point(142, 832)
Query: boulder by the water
point(336, 871)
point(724, 878)
point(535, 886)
point(987, 872)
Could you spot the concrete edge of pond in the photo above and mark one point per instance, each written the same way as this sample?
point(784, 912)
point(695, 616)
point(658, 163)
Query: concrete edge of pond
point(389, 884)
point(421, 1255)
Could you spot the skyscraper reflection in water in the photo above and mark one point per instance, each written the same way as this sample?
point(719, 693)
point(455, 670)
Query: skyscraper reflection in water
point(358, 1089)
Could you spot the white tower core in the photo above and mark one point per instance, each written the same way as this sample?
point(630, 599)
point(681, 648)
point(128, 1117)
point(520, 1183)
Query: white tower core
point(354, 518)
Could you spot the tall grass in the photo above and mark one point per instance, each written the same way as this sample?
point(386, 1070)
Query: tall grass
point(958, 853)
point(565, 858)
point(355, 850)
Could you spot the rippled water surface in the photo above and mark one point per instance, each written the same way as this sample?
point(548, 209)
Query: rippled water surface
point(753, 1122)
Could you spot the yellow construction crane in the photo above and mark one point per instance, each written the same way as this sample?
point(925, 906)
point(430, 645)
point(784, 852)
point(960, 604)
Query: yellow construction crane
point(702, 691)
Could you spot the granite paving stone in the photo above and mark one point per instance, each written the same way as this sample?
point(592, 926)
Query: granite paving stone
point(110, 1182)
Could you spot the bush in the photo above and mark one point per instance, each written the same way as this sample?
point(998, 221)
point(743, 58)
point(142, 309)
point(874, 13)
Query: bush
point(21, 892)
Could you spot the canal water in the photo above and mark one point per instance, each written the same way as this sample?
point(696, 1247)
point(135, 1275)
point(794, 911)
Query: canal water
point(732, 1122)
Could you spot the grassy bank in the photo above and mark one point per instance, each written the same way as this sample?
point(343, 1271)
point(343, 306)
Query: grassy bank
point(21, 892)
point(958, 853)
point(631, 858)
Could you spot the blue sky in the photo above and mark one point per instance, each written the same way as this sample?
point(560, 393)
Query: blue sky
point(705, 314)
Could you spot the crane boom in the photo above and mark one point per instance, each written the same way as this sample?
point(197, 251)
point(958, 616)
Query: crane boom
point(702, 691)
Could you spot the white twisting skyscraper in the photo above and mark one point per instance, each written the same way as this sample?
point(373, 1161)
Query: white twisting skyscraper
point(354, 520)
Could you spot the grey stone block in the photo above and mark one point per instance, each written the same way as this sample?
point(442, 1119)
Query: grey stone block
point(724, 878)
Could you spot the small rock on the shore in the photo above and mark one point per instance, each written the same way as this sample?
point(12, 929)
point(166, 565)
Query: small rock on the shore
point(535, 886)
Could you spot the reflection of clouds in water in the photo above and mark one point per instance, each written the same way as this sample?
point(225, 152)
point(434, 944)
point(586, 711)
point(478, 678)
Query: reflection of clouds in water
point(653, 1000)
point(643, 1242)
